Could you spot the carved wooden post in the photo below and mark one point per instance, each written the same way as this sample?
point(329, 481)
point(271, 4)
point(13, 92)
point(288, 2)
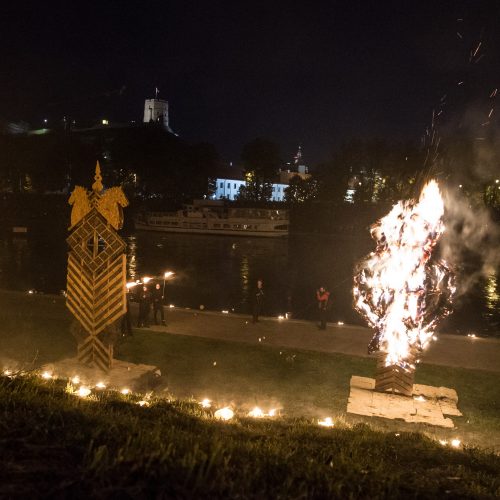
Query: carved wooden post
point(96, 279)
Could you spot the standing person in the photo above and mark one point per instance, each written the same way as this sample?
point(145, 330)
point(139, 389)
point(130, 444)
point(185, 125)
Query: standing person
point(158, 304)
point(126, 326)
point(144, 307)
point(322, 296)
point(258, 300)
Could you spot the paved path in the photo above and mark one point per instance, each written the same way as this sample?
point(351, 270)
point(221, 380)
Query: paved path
point(448, 350)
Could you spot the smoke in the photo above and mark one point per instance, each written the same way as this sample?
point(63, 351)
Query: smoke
point(471, 241)
point(8, 364)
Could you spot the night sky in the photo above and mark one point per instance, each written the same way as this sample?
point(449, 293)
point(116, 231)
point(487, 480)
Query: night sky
point(315, 73)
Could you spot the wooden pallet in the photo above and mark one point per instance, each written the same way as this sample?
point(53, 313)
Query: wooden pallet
point(394, 378)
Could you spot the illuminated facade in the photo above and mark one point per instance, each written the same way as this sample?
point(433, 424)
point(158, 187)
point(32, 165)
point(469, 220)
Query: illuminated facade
point(228, 188)
point(156, 110)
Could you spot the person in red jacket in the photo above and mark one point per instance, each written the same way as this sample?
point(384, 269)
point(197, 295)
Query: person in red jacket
point(322, 296)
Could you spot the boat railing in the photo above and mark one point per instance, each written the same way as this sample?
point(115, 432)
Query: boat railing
point(253, 213)
point(162, 214)
point(233, 213)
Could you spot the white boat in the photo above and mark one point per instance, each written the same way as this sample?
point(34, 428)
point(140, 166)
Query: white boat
point(213, 217)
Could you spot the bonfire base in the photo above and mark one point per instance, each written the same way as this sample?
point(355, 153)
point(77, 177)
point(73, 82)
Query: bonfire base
point(393, 378)
point(123, 374)
point(427, 404)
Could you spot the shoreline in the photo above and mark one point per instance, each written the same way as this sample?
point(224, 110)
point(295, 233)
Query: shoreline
point(26, 315)
point(479, 337)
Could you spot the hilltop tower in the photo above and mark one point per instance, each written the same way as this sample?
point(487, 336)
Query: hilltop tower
point(156, 110)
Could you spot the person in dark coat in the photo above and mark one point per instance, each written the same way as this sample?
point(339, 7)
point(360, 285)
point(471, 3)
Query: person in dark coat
point(323, 297)
point(258, 299)
point(158, 298)
point(144, 307)
point(126, 325)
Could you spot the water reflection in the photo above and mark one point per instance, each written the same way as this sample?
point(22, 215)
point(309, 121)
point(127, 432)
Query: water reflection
point(131, 257)
point(492, 295)
point(216, 272)
point(244, 272)
point(220, 273)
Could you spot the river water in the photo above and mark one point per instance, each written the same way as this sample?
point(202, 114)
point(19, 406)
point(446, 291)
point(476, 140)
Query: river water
point(220, 272)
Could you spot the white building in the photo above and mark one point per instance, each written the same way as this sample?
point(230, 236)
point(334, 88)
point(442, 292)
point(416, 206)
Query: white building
point(229, 189)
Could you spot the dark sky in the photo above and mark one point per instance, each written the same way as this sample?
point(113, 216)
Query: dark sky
point(315, 73)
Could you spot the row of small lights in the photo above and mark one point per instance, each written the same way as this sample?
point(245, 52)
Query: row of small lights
point(168, 274)
point(280, 318)
point(104, 121)
point(225, 413)
point(455, 443)
point(147, 279)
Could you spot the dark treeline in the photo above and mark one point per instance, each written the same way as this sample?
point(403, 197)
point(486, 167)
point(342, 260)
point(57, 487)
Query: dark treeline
point(147, 161)
point(366, 177)
point(380, 172)
point(161, 171)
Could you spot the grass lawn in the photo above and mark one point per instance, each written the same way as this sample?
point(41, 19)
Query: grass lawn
point(305, 383)
point(54, 440)
point(301, 383)
point(57, 445)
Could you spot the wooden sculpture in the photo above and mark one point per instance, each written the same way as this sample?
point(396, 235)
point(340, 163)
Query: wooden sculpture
point(96, 276)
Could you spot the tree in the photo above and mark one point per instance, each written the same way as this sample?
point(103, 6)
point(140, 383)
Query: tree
point(261, 161)
point(201, 163)
point(301, 190)
point(255, 188)
point(334, 176)
point(371, 171)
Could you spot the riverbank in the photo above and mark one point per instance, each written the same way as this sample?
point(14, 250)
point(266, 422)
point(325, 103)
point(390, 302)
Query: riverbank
point(448, 350)
point(34, 330)
point(477, 353)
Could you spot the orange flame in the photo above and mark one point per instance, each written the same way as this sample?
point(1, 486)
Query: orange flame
point(398, 288)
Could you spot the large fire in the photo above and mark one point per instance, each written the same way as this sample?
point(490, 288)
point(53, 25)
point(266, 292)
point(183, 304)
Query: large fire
point(400, 288)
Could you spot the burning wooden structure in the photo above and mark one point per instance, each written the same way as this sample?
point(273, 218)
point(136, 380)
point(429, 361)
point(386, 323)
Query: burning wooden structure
point(402, 289)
